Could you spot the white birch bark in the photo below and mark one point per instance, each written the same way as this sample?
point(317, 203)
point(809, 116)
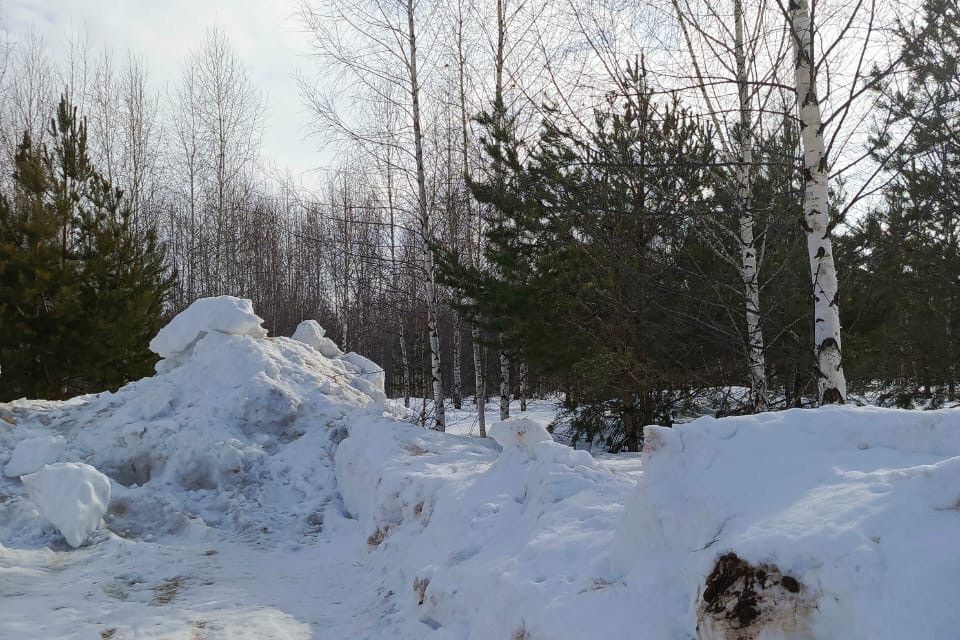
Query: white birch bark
point(479, 373)
point(433, 302)
point(743, 156)
point(748, 252)
point(832, 385)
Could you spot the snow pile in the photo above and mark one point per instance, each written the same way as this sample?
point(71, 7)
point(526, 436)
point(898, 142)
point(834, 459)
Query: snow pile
point(478, 543)
point(830, 523)
point(33, 453)
point(72, 496)
point(236, 431)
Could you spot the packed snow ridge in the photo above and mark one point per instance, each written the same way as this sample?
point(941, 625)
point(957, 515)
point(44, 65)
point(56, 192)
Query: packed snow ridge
point(264, 487)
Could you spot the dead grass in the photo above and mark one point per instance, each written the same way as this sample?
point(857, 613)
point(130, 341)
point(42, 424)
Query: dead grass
point(167, 591)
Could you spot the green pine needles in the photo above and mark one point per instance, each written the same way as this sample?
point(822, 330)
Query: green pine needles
point(82, 287)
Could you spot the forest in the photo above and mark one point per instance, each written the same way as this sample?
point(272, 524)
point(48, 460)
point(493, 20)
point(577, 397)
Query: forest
point(649, 210)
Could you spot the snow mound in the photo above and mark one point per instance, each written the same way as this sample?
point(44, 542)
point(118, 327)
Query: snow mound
point(859, 507)
point(225, 314)
point(33, 453)
point(72, 496)
point(237, 434)
point(520, 432)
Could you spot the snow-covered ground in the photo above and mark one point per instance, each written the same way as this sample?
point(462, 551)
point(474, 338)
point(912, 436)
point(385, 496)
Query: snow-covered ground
point(265, 488)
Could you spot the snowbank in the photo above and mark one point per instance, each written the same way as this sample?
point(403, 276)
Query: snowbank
point(838, 522)
point(478, 543)
point(72, 496)
point(520, 432)
point(859, 508)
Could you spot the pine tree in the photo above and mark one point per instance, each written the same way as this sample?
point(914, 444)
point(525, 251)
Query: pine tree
point(582, 238)
point(81, 291)
point(907, 250)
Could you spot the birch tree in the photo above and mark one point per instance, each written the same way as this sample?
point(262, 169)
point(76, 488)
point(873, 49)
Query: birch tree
point(473, 224)
point(832, 385)
point(752, 56)
point(382, 49)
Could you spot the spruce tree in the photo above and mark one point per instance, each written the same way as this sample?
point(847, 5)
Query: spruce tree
point(81, 291)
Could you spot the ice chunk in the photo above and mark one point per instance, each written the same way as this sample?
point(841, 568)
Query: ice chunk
point(310, 332)
point(225, 314)
point(519, 432)
point(30, 455)
point(72, 496)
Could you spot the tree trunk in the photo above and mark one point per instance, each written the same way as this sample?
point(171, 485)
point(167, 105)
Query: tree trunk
point(479, 371)
point(405, 359)
point(748, 253)
point(433, 302)
point(522, 385)
point(630, 428)
point(457, 364)
point(504, 385)
point(831, 383)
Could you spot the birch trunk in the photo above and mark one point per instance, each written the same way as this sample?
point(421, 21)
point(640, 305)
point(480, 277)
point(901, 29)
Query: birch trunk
point(504, 385)
point(439, 420)
point(748, 253)
point(479, 370)
point(832, 385)
point(395, 281)
point(480, 394)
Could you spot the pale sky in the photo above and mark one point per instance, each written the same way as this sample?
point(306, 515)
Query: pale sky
point(265, 33)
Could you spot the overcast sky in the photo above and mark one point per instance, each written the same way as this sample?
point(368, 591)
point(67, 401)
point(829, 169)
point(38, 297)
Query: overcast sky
point(265, 34)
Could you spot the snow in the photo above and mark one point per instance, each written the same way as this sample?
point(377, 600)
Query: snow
point(72, 496)
point(310, 332)
point(860, 505)
point(520, 432)
point(225, 314)
point(262, 488)
point(33, 453)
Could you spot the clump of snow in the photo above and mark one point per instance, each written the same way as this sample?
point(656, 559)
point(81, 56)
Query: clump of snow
point(72, 496)
point(310, 332)
point(369, 377)
point(31, 454)
point(520, 432)
point(224, 314)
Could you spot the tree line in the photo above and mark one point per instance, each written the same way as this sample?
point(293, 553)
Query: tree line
point(534, 198)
